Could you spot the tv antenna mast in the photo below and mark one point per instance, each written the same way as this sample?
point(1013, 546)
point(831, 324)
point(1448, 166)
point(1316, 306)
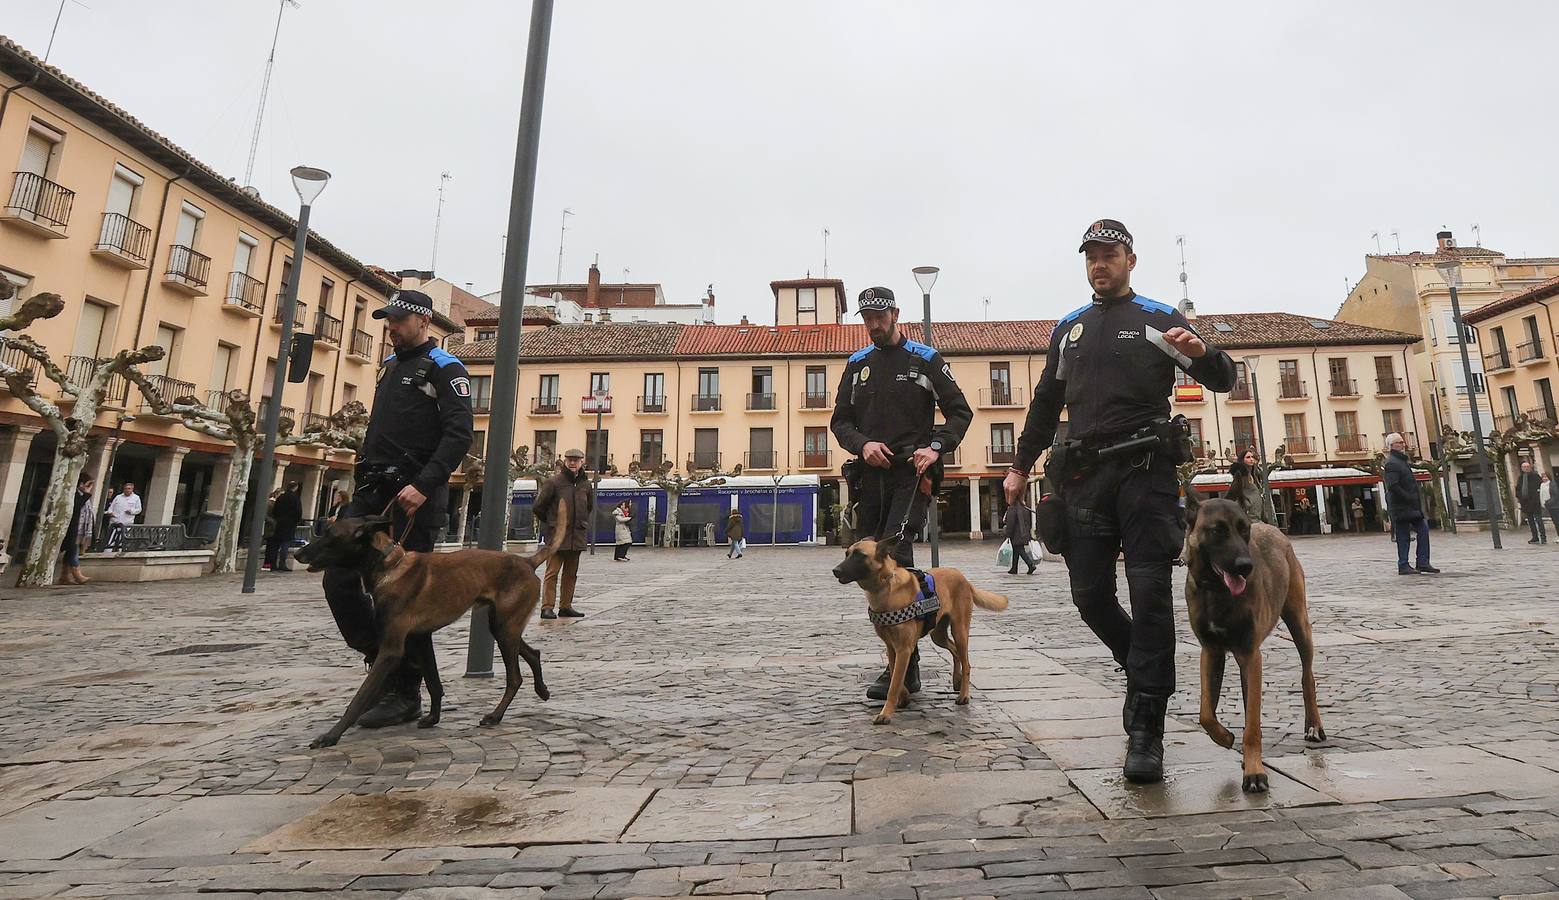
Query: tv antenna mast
point(265, 90)
point(561, 232)
point(1185, 286)
point(438, 219)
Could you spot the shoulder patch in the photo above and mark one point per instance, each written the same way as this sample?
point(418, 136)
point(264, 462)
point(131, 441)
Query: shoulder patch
point(1074, 314)
point(461, 386)
point(862, 353)
point(919, 349)
point(442, 357)
point(1151, 305)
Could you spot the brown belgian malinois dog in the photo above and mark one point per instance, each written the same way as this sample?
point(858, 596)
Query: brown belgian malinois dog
point(419, 593)
point(1241, 577)
point(890, 588)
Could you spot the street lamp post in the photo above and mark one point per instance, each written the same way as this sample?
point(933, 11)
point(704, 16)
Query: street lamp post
point(1450, 269)
point(1261, 434)
point(308, 182)
point(112, 453)
point(925, 276)
point(600, 397)
point(1445, 470)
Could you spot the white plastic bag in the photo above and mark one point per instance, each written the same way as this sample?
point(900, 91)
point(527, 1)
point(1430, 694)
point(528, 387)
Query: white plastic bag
point(1036, 552)
point(1004, 555)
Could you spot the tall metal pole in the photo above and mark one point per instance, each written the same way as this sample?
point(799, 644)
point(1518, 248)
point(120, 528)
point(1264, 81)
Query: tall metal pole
point(1491, 491)
point(931, 513)
point(506, 368)
point(600, 466)
point(1445, 470)
point(562, 232)
point(272, 417)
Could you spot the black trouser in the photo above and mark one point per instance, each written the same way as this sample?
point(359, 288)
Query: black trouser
point(1021, 551)
point(885, 495)
point(1535, 521)
point(277, 545)
point(1116, 506)
point(621, 552)
point(350, 602)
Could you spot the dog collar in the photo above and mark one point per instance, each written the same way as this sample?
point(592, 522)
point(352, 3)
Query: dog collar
point(926, 603)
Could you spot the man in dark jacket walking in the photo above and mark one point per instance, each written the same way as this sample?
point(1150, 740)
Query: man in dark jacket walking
point(1019, 528)
point(289, 512)
point(571, 485)
point(1407, 508)
point(1529, 494)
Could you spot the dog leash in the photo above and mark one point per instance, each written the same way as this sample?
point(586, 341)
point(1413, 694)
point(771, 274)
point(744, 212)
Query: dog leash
point(404, 532)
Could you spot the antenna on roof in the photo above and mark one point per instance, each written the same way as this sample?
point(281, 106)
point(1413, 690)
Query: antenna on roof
point(56, 28)
point(265, 90)
point(1376, 236)
point(438, 219)
point(1477, 236)
point(1398, 238)
point(561, 232)
point(825, 252)
point(987, 301)
point(1185, 287)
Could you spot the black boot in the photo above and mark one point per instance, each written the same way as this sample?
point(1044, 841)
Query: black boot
point(878, 690)
point(1143, 717)
point(402, 700)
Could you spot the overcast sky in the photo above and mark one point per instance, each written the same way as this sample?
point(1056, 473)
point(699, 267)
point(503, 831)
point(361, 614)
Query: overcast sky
point(711, 142)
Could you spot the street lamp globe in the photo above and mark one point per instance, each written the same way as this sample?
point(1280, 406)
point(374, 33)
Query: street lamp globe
point(925, 276)
point(1450, 269)
point(309, 182)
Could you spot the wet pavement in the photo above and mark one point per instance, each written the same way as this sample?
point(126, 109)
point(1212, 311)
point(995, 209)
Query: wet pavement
point(707, 736)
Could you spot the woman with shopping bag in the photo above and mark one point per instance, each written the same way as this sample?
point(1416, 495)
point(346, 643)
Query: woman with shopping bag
point(1019, 528)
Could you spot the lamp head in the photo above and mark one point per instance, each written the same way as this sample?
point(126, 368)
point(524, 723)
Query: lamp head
point(309, 182)
point(1450, 269)
point(925, 276)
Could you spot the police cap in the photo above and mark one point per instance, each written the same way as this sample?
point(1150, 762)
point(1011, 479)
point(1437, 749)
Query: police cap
point(1106, 231)
point(403, 303)
point(876, 299)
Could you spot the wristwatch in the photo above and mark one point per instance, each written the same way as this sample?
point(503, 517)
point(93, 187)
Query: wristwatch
point(937, 446)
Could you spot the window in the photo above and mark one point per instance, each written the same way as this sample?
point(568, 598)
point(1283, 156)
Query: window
point(326, 290)
point(708, 397)
point(1508, 395)
point(168, 340)
point(311, 402)
point(1002, 437)
point(20, 282)
point(487, 334)
point(1530, 322)
point(760, 449)
point(1198, 443)
point(92, 330)
point(546, 446)
point(1391, 420)
point(654, 397)
point(762, 388)
point(1001, 384)
point(706, 448)
point(548, 391)
point(1244, 433)
point(1337, 370)
point(124, 189)
point(243, 254)
point(41, 152)
point(1294, 425)
point(190, 219)
point(600, 381)
point(652, 447)
point(596, 452)
point(1349, 440)
point(478, 444)
point(814, 440)
point(223, 363)
point(348, 393)
point(806, 300)
point(481, 392)
point(1545, 398)
point(817, 386)
point(1241, 389)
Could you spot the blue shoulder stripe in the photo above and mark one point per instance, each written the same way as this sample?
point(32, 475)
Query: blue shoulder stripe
point(1151, 305)
point(862, 353)
point(1075, 313)
point(442, 357)
point(388, 359)
point(919, 349)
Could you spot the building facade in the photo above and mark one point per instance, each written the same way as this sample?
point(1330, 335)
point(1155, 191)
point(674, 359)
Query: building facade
point(1520, 343)
point(625, 302)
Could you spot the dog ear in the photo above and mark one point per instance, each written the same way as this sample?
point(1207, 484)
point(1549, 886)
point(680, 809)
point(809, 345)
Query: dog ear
point(886, 546)
point(1193, 505)
point(370, 525)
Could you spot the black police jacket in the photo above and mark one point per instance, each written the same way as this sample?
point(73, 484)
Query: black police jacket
point(1110, 365)
point(890, 395)
point(421, 420)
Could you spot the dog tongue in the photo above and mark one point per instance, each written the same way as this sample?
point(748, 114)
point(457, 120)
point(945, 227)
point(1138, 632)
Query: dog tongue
point(1234, 583)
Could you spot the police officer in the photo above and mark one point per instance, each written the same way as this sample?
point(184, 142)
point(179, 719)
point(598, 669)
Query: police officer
point(884, 415)
point(419, 431)
point(1112, 364)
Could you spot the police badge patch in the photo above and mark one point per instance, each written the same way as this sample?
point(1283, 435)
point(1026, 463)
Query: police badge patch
point(461, 386)
point(866, 372)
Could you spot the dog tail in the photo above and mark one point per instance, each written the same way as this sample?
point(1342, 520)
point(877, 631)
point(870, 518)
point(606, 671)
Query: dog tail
point(559, 529)
point(988, 600)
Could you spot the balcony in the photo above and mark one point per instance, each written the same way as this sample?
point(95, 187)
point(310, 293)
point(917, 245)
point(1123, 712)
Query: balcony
point(300, 318)
point(1241, 391)
point(998, 396)
point(760, 403)
point(327, 328)
point(123, 242)
point(706, 403)
point(590, 405)
point(79, 370)
point(1542, 414)
point(652, 405)
point(1494, 362)
point(703, 460)
point(812, 459)
point(362, 344)
point(216, 399)
point(1505, 422)
point(38, 206)
point(170, 388)
point(1343, 387)
point(1531, 351)
point(20, 361)
point(815, 401)
point(285, 412)
point(1390, 387)
point(245, 295)
point(188, 270)
point(1293, 389)
point(313, 421)
point(1299, 445)
point(1352, 443)
point(1000, 454)
point(761, 460)
point(546, 406)
point(647, 461)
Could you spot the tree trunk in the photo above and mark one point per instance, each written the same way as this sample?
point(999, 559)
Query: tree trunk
point(225, 559)
point(673, 538)
point(54, 519)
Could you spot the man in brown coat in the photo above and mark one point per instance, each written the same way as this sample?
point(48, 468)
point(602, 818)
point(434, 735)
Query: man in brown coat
point(568, 485)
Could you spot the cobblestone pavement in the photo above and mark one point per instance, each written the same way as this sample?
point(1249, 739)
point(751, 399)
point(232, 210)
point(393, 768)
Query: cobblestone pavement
point(707, 735)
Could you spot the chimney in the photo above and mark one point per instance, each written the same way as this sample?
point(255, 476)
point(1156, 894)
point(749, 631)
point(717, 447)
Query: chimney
point(593, 289)
point(709, 296)
point(1445, 240)
point(744, 321)
point(606, 316)
point(1188, 309)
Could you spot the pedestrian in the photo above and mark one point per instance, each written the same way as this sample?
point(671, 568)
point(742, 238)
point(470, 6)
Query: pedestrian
point(1018, 526)
point(269, 532)
point(1253, 496)
point(622, 516)
point(1529, 495)
point(1303, 510)
point(419, 431)
point(122, 511)
point(288, 511)
point(1553, 501)
point(1356, 510)
point(885, 416)
point(1112, 363)
point(338, 502)
point(570, 484)
point(736, 531)
point(1405, 502)
point(78, 534)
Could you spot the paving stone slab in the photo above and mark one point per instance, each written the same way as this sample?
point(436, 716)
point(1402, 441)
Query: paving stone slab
point(737, 813)
point(1376, 775)
point(1110, 751)
point(1071, 729)
point(209, 825)
point(1188, 789)
point(56, 828)
point(438, 818)
point(899, 799)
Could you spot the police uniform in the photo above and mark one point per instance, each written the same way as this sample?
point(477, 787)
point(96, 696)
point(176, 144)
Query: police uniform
point(418, 433)
point(1109, 364)
point(890, 395)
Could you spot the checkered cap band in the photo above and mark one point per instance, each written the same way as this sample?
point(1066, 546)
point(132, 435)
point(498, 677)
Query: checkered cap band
point(399, 304)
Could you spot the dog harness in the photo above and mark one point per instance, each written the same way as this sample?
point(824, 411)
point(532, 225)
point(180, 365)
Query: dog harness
point(925, 607)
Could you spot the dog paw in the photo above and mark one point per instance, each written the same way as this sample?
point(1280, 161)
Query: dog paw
point(427, 721)
point(1255, 784)
point(882, 719)
point(962, 701)
point(1221, 736)
point(1315, 734)
point(490, 720)
point(324, 740)
point(542, 692)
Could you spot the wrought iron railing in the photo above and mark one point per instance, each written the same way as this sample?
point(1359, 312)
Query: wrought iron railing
point(327, 328)
point(188, 266)
point(362, 343)
point(41, 200)
point(245, 292)
point(125, 236)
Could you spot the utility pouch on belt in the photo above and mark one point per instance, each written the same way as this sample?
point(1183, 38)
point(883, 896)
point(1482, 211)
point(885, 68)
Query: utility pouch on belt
point(1175, 436)
point(852, 472)
point(1051, 516)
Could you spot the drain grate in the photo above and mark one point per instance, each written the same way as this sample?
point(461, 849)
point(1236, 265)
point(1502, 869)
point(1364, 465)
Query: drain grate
point(198, 649)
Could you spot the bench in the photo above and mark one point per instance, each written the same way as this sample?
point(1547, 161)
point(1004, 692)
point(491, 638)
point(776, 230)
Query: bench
point(152, 539)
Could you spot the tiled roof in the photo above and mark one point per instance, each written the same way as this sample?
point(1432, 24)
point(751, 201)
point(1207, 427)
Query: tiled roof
point(1540, 291)
point(1250, 331)
point(628, 340)
point(533, 315)
point(1533, 261)
point(39, 77)
point(807, 282)
point(1420, 256)
point(951, 338)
